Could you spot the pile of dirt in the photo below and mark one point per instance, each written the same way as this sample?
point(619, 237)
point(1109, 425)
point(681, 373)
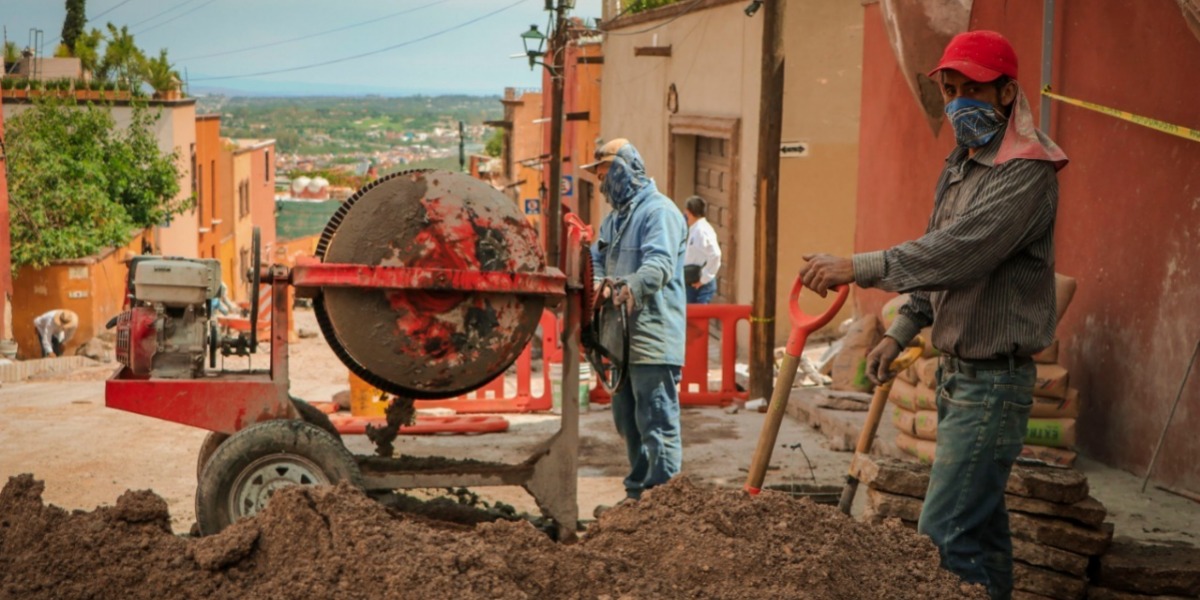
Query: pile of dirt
point(680, 541)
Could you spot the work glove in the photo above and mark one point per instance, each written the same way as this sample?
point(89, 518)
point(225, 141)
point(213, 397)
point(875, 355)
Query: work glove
point(624, 297)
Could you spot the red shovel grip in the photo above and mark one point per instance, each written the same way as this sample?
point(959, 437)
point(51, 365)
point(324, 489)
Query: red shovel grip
point(803, 324)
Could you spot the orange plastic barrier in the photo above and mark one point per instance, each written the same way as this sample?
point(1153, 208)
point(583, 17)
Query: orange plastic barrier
point(694, 387)
point(350, 425)
point(264, 313)
point(491, 397)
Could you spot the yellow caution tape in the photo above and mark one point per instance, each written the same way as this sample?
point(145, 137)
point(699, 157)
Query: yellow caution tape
point(1163, 126)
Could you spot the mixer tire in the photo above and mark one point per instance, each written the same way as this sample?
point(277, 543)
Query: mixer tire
point(255, 462)
point(312, 415)
point(211, 442)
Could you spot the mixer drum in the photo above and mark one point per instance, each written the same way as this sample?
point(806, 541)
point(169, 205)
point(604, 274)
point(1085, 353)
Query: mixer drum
point(419, 343)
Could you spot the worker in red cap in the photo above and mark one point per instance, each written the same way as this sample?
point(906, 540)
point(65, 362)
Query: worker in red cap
point(983, 276)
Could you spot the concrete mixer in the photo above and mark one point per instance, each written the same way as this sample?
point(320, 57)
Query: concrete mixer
point(426, 284)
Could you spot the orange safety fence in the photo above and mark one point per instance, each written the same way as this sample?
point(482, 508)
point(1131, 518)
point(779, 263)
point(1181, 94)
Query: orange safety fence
point(694, 385)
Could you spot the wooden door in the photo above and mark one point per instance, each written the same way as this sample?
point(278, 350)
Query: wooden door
point(714, 182)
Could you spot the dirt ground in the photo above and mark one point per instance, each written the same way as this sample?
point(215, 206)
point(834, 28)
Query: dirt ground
point(698, 537)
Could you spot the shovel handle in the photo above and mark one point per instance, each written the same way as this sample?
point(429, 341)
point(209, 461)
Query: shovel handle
point(804, 324)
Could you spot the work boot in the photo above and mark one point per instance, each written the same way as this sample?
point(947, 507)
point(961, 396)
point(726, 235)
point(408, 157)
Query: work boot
point(603, 508)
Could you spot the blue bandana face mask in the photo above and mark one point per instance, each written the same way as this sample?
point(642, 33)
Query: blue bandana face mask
point(975, 122)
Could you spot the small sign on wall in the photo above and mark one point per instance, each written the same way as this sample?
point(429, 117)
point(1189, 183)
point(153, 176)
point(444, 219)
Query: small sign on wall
point(533, 206)
point(77, 294)
point(793, 150)
point(78, 273)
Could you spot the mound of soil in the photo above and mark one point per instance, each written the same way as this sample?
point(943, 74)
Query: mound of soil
point(680, 541)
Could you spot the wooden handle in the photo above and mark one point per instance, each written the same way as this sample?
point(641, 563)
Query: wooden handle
point(770, 430)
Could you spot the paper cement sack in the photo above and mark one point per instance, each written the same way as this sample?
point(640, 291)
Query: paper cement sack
point(926, 369)
point(923, 450)
point(911, 397)
point(1056, 408)
point(1051, 381)
point(909, 375)
point(889, 311)
point(925, 423)
point(850, 364)
point(1057, 433)
point(1048, 356)
point(1051, 456)
point(904, 420)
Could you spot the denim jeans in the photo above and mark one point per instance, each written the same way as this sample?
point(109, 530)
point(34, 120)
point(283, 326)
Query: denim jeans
point(703, 294)
point(646, 410)
point(982, 418)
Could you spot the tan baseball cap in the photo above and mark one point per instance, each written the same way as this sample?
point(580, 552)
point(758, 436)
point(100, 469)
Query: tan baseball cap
point(68, 319)
point(606, 153)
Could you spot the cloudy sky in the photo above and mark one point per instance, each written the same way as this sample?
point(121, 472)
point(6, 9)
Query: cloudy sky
point(267, 46)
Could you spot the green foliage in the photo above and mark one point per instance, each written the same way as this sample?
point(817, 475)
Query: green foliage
point(87, 49)
point(638, 6)
point(73, 24)
point(78, 184)
point(123, 60)
point(12, 53)
point(159, 74)
point(62, 51)
point(495, 144)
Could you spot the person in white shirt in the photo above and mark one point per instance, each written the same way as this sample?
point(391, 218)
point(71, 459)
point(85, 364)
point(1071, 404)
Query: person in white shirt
point(702, 259)
point(54, 328)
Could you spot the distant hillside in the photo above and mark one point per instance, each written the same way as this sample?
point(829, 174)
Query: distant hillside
point(339, 125)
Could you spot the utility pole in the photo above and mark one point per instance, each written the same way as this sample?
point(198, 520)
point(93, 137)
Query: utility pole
point(766, 211)
point(554, 210)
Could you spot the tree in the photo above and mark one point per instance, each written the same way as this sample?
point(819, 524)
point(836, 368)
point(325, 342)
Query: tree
point(160, 75)
point(495, 144)
point(74, 23)
point(78, 184)
point(87, 49)
point(122, 59)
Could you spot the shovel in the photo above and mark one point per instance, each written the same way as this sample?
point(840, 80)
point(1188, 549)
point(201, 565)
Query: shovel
point(867, 437)
point(802, 326)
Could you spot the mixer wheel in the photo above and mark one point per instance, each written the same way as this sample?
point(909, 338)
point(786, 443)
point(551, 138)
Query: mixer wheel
point(254, 462)
point(211, 441)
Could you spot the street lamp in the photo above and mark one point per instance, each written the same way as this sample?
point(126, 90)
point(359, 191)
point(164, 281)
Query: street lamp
point(533, 41)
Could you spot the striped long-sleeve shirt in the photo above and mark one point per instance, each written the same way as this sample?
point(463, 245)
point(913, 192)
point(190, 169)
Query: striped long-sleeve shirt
point(983, 273)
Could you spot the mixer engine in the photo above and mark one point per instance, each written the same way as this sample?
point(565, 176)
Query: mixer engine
point(165, 332)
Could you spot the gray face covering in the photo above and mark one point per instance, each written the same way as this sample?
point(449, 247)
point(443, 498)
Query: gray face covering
point(626, 177)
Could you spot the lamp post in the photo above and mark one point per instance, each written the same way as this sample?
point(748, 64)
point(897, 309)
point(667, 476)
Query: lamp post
point(533, 41)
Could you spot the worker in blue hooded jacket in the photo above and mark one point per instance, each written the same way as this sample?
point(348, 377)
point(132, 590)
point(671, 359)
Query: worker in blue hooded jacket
point(640, 247)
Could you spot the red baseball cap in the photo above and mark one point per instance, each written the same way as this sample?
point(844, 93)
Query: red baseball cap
point(980, 56)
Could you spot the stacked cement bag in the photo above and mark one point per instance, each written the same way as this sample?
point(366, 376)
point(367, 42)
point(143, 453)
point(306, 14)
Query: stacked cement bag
point(1051, 434)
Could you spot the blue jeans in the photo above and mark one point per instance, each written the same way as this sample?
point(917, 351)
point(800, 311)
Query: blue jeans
point(703, 294)
point(982, 418)
point(646, 410)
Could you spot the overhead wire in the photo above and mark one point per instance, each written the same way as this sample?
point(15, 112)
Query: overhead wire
point(110, 9)
point(174, 8)
point(317, 34)
point(175, 18)
point(370, 53)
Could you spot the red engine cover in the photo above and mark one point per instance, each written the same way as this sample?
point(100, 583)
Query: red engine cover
point(137, 339)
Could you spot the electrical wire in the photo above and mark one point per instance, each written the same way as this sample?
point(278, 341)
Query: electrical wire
point(175, 18)
point(112, 8)
point(687, 10)
point(371, 53)
point(172, 9)
point(313, 35)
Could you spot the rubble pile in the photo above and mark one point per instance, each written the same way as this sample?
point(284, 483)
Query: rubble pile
point(680, 541)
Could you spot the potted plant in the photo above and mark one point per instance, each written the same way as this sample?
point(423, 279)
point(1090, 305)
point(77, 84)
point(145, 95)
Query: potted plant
point(20, 88)
point(162, 77)
point(6, 86)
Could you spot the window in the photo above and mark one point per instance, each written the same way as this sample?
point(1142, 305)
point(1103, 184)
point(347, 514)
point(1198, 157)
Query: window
point(194, 190)
point(267, 166)
point(212, 175)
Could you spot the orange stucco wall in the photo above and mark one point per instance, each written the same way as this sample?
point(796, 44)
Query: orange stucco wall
point(5, 247)
point(208, 209)
point(92, 287)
